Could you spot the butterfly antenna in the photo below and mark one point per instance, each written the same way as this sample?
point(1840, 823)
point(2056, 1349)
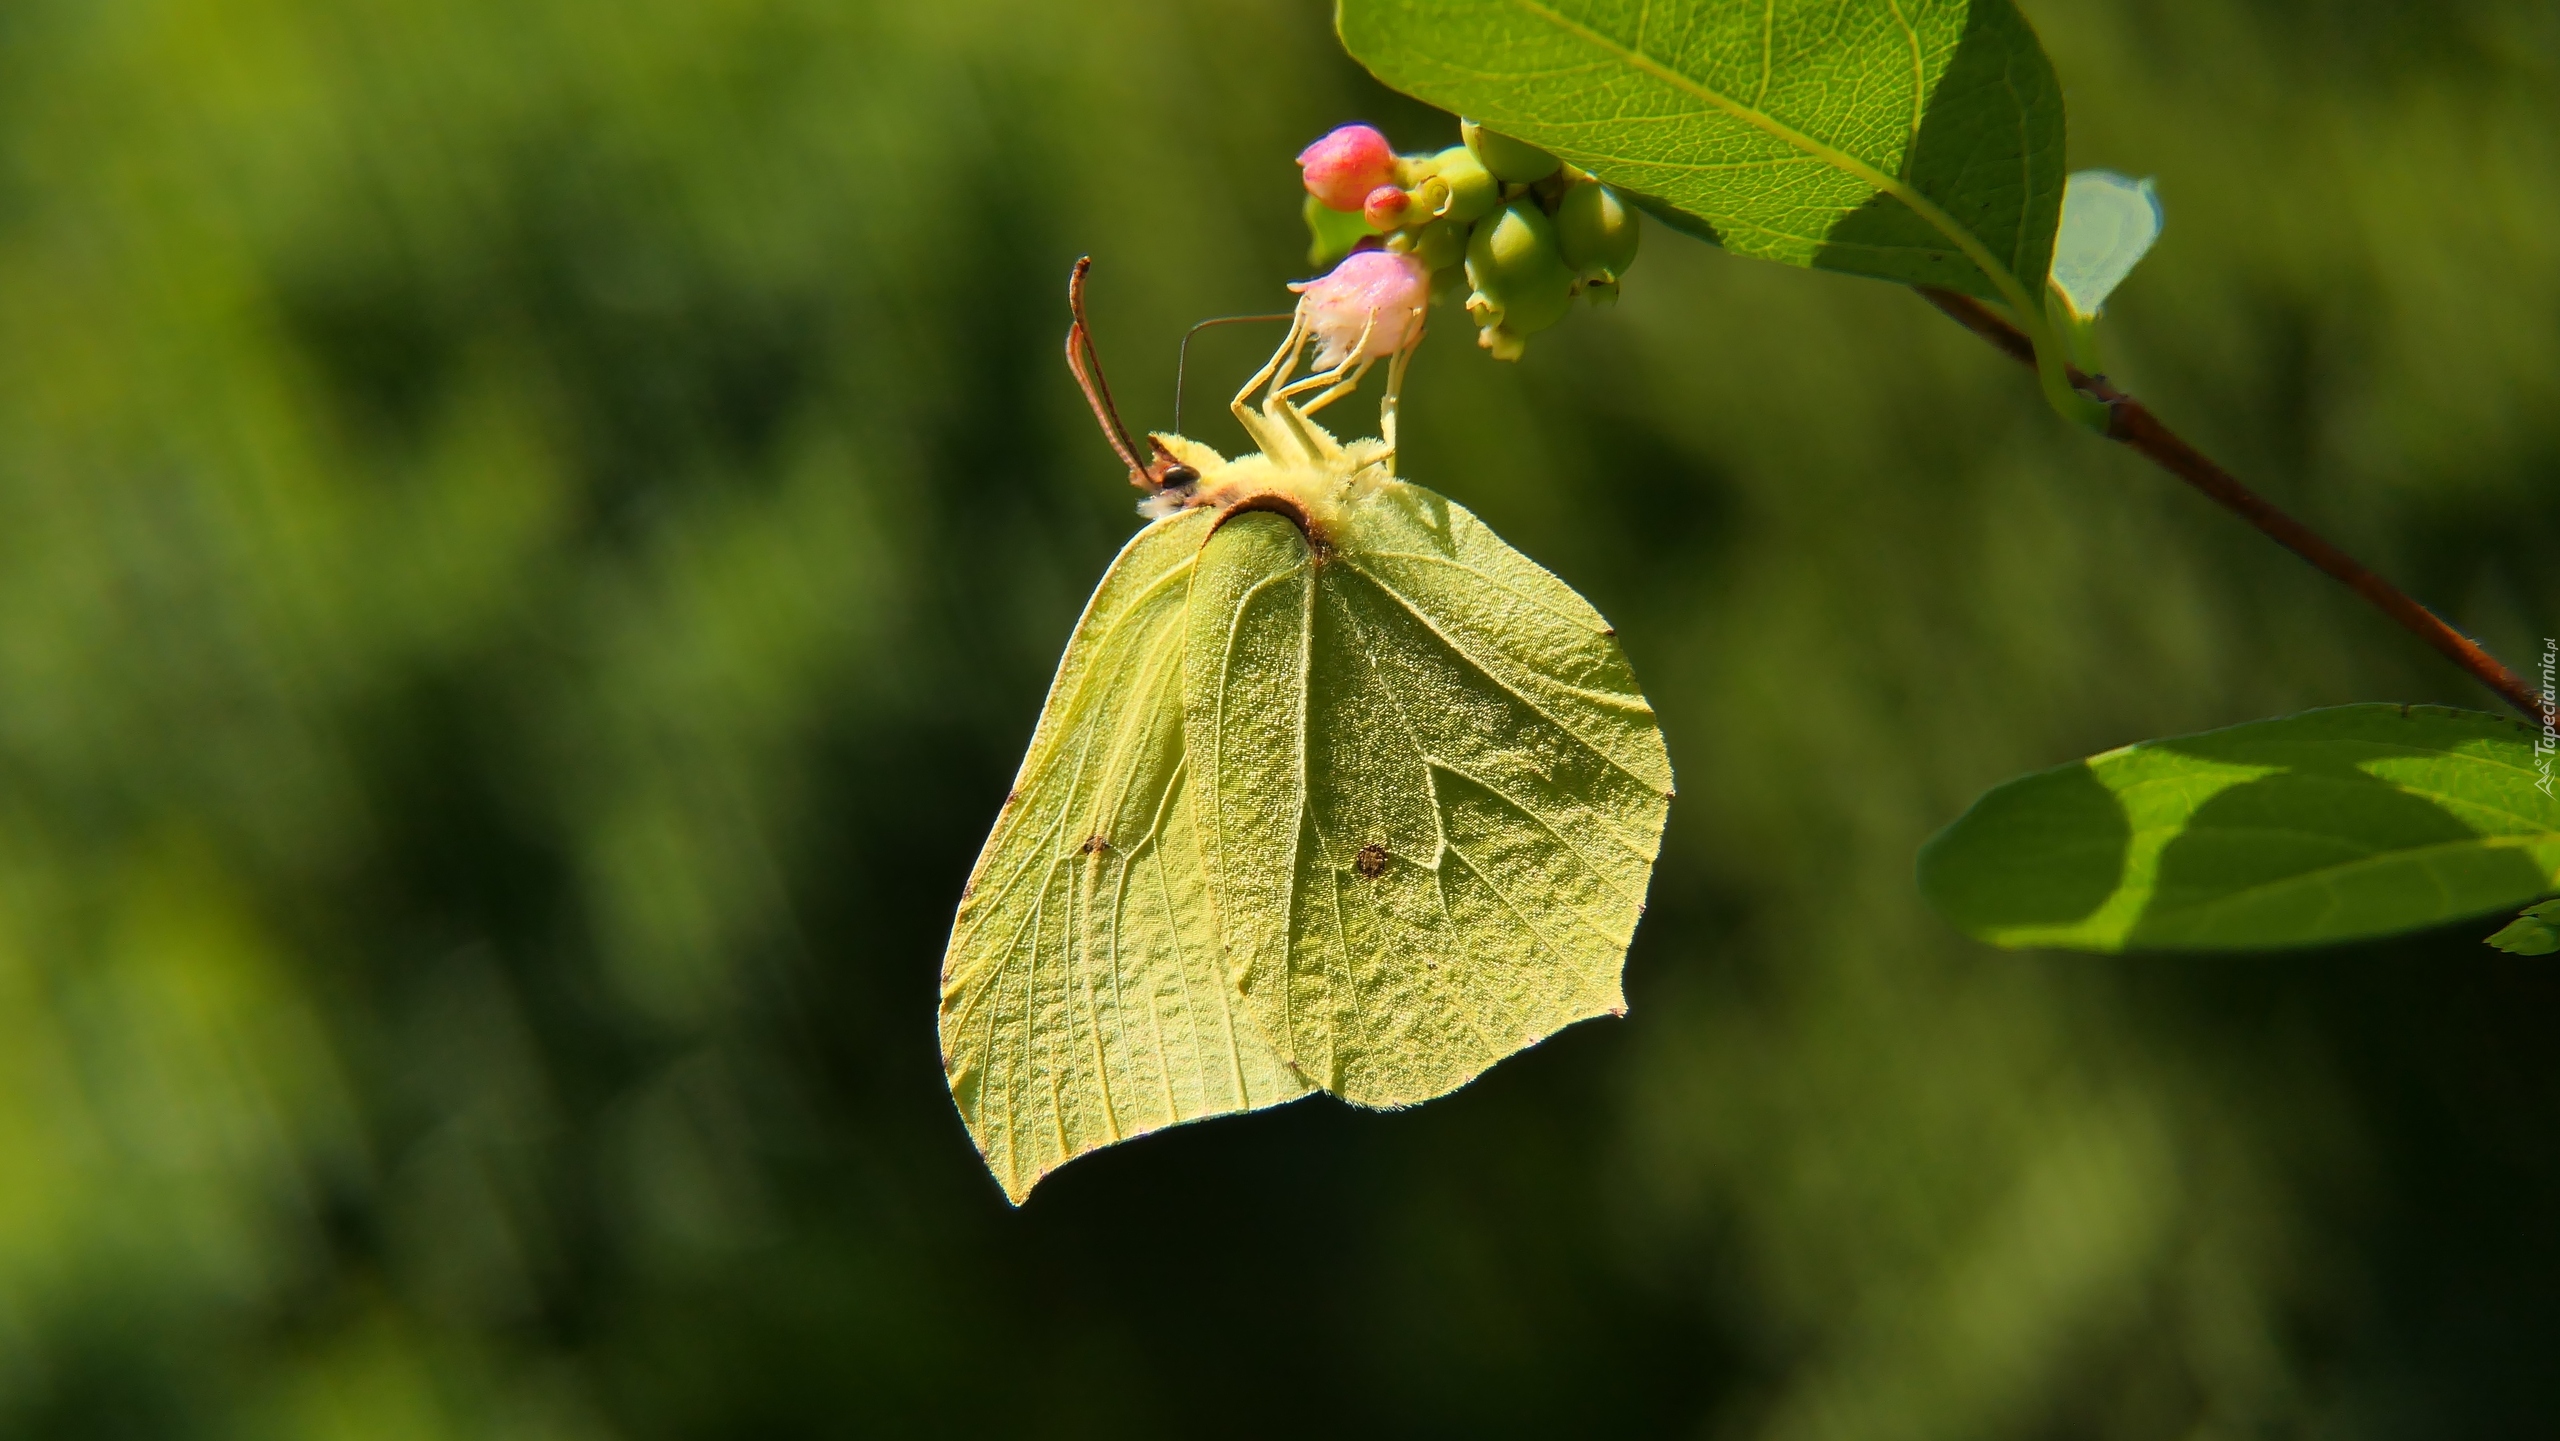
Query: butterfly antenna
point(1182, 362)
point(1086, 362)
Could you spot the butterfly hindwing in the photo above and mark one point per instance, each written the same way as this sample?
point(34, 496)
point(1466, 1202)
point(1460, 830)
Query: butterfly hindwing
point(1433, 788)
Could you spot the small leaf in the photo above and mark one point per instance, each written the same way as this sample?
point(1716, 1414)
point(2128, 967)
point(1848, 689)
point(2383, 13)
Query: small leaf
point(2332, 825)
point(2108, 224)
point(1331, 234)
point(2535, 933)
point(1917, 141)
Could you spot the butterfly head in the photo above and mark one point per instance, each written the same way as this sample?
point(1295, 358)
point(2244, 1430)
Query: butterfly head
point(1371, 308)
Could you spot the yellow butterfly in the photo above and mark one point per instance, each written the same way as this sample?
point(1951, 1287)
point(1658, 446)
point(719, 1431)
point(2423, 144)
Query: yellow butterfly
point(1334, 790)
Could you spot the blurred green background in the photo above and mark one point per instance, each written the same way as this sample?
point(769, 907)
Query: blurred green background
point(532, 536)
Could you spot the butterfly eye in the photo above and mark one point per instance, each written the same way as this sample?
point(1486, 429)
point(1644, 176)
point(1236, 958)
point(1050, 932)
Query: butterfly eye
point(1178, 474)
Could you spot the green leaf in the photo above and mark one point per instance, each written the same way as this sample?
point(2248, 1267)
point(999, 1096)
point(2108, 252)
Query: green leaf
point(2333, 825)
point(2108, 224)
point(1918, 141)
point(1331, 234)
point(1354, 798)
point(2535, 933)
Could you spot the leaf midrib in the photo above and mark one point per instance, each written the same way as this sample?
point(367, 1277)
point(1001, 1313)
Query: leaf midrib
point(2202, 912)
point(1965, 240)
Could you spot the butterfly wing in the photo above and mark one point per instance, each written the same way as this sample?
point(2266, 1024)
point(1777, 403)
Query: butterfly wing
point(1433, 790)
point(1082, 998)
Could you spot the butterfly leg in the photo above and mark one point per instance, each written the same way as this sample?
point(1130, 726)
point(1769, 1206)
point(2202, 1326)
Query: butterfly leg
point(1345, 386)
point(1279, 417)
point(1358, 360)
point(1275, 371)
point(1389, 404)
point(1332, 383)
point(1342, 383)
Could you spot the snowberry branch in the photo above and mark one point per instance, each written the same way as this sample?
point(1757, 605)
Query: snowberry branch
point(2131, 423)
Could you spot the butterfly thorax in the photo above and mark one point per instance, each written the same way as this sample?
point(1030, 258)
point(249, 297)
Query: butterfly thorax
point(1311, 486)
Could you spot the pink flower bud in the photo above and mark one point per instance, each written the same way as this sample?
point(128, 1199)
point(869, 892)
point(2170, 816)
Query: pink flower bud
point(1342, 168)
point(1383, 284)
point(1386, 207)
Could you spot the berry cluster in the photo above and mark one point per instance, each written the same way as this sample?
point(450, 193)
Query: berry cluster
point(1531, 231)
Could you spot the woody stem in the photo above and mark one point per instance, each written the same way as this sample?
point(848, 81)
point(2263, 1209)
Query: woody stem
point(2131, 424)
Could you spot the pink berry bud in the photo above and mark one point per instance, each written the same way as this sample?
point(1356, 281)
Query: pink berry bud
point(1386, 207)
point(1377, 292)
point(1342, 168)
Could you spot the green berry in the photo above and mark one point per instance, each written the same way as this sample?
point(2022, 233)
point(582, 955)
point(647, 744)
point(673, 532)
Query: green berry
point(1522, 284)
point(1440, 244)
point(1598, 231)
point(1515, 161)
point(1454, 185)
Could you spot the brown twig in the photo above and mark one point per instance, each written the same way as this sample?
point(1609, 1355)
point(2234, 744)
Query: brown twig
point(2131, 423)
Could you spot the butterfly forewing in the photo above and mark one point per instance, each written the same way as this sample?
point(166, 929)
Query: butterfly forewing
point(1082, 998)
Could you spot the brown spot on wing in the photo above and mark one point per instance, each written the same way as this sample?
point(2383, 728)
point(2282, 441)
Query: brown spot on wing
point(1372, 860)
point(1094, 845)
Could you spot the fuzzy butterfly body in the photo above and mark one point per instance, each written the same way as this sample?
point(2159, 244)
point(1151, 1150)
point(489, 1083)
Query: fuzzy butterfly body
point(1334, 790)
